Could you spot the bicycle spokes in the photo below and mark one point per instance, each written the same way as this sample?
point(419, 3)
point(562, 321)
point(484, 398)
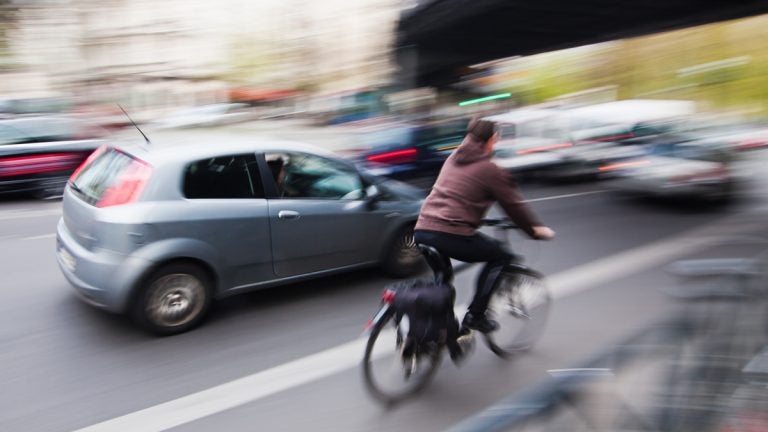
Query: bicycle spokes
point(520, 304)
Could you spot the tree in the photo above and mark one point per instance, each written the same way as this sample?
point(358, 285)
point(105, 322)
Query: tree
point(8, 9)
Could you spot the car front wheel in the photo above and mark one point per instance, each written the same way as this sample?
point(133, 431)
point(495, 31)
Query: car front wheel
point(173, 299)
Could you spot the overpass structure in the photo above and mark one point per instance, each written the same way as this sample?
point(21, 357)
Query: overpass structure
point(438, 39)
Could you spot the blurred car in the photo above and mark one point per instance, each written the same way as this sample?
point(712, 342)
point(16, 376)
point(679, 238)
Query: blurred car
point(679, 166)
point(623, 137)
point(157, 232)
point(38, 154)
point(573, 143)
point(206, 115)
point(528, 157)
point(413, 153)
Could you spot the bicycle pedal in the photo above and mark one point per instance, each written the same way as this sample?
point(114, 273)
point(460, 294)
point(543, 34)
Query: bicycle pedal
point(466, 342)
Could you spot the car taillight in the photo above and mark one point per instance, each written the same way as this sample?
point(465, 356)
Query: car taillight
point(96, 153)
point(128, 186)
point(621, 165)
point(395, 157)
point(38, 163)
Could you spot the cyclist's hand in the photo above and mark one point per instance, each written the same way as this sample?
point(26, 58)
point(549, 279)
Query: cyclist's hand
point(543, 233)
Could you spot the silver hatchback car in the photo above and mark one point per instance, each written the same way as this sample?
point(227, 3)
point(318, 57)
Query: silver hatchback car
point(158, 232)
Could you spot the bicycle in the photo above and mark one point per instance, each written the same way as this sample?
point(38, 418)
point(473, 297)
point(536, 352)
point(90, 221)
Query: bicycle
point(520, 303)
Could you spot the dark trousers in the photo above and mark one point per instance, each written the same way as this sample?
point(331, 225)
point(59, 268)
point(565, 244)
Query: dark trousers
point(472, 249)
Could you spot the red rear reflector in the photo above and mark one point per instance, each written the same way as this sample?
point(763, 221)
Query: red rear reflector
point(128, 186)
point(388, 296)
point(38, 163)
point(394, 157)
point(90, 159)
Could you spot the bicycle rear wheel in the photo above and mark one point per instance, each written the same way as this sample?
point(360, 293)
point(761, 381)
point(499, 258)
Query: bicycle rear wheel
point(389, 376)
point(520, 304)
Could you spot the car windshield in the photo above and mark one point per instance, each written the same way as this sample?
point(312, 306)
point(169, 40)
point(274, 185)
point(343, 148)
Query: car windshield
point(388, 137)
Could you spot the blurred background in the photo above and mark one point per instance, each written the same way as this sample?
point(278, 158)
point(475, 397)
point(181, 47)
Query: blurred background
point(337, 61)
point(637, 131)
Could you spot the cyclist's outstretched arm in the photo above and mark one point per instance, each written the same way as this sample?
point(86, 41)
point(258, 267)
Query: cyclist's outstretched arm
point(504, 190)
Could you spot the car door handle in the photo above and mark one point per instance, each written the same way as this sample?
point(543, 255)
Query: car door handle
point(288, 214)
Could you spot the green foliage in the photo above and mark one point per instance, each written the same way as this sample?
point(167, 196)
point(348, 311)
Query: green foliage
point(729, 61)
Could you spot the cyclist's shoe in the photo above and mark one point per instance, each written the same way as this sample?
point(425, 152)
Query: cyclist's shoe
point(479, 323)
point(460, 350)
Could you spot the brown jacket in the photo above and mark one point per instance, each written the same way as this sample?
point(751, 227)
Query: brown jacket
point(468, 184)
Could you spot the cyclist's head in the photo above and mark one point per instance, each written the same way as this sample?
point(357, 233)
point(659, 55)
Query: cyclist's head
point(484, 130)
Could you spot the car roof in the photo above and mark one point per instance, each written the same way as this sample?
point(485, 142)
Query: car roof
point(522, 115)
point(200, 145)
point(633, 110)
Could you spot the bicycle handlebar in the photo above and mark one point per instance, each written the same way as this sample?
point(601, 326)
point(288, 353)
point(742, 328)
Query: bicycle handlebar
point(500, 223)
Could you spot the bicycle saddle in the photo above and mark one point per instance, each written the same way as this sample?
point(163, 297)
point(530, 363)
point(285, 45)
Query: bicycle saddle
point(439, 263)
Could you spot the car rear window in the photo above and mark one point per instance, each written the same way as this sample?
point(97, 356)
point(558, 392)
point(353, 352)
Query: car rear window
point(100, 174)
point(234, 176)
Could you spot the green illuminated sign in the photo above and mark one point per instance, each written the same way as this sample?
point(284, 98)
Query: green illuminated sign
point(484, 99)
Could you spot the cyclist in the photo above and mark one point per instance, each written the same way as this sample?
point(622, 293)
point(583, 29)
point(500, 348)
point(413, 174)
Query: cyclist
point(468, 184)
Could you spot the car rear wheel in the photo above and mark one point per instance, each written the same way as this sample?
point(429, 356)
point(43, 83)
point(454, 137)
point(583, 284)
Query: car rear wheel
point(403, 257)
point(173, 299)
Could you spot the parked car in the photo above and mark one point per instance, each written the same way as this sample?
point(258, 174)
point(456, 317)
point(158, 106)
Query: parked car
point(38, 154)
point(158, 231)
point(679, 166)
point(413, 153)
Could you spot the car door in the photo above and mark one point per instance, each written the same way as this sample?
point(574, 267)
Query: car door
point(319, 219)
point(226, 210)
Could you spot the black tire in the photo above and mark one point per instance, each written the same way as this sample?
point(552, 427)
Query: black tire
point(173, 299)
point(384, 362)
point(403, 258)
point(521, 304)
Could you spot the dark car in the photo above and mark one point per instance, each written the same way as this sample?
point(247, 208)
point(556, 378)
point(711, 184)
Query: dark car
point(412, 153)
point(39, 154)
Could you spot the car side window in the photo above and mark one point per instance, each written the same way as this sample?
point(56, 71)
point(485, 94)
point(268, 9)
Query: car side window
point(300, 175)
point(235, 176)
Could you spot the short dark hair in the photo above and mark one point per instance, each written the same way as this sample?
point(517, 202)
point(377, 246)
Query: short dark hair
point(481, 129)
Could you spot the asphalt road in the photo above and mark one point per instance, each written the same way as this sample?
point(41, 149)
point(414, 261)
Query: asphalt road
point(290, 354)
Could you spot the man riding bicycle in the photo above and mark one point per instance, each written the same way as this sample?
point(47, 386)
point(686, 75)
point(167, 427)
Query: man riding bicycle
point(468, 184)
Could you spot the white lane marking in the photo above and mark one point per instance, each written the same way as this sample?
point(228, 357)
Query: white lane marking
point(620, 265)
point(44, 236)
point(29, 214)
point(340, 358)
point(566, 196)
point(238, 392)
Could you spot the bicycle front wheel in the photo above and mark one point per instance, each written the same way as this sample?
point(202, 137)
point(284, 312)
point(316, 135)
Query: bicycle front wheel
point(520, 304)
point(390, 375)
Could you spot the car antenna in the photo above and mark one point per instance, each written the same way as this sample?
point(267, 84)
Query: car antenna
point(134, 124)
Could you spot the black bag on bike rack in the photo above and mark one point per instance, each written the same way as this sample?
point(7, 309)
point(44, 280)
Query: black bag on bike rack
point(429, 308)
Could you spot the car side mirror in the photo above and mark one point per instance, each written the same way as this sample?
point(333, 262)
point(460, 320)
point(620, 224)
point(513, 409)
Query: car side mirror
point(372, 196)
